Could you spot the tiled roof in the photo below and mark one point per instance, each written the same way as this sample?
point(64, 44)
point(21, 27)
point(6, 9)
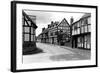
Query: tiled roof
point(47, 29)
point(84, 16)
point(30, 19)
point(63, 21)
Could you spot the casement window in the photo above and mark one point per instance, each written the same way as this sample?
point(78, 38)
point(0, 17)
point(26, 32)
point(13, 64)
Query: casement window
point(79, 42)
point(28, 30)
point(32, 31)
point(82, 22)
point(51, 34)
point(85, 21)
point(78, 24)
point(75, 32)
point(88, 41)
point(32, 38)
point(82, 29)
point(65, 31)
point(55, 40)
point(28, 33)
point(89, 28)
point(85, 28)
point(82, 42)
point(89, 20)
point(56, 33)
point(78, 31)
point(26, 37)
point(73, 27)
point(85, 41)
point(72, 32)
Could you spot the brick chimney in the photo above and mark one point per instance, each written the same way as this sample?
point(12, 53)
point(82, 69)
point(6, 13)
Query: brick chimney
point(43, 29)
point(48, 26)
point(71, 20)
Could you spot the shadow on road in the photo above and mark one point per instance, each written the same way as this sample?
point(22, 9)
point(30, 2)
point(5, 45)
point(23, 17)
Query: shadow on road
point(36, 50)
point(66, 57)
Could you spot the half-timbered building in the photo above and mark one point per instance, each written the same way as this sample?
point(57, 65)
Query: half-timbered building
point(29, 35)
point(57, 33)
point(81, 32)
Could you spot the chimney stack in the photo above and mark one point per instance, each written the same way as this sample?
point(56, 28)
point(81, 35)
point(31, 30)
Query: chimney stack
point(43, 29)
point(48, 26)
point(71, 21)
point(51, 22)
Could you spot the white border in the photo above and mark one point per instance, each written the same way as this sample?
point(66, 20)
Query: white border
point(21, 66)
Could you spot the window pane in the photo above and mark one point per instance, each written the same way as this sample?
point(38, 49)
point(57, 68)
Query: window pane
point(82, 22)
point(88, 45)
point(73, 28)
point(56, 33)
point(75, 32)
point(88, 41)
point(31, 30)
point(85, 44)
point(85, 28)
point(89, 20)
point(89, 28)
point(77, 24)
point(85, 21)
point(82, 42)
point(78, 30)
point(79, 44)
point(72, 32)
point(55, 40)
point(82, 29)
point(26, 37)
point(85, 38)
point(79, 40)
point(26, 29)
point(32, 38)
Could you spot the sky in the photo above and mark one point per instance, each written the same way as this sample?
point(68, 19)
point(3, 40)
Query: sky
point(43, 18)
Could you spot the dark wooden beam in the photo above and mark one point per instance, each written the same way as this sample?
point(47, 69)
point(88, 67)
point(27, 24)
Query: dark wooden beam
point(33, 24)
point(26, 21)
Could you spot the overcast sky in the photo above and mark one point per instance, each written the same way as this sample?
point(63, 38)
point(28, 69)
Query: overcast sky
point(43, 18)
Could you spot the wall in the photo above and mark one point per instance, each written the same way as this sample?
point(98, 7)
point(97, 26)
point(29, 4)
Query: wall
point(5, 37)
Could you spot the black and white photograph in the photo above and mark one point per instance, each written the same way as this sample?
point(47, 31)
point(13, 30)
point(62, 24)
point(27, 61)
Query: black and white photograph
point(54, 36)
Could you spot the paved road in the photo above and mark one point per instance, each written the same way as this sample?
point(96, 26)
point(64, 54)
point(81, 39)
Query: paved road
point(56, 53)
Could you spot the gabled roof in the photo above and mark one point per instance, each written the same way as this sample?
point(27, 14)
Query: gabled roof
point(84, 16)
point(46, 30)
point(29, 19)
point(64, 20)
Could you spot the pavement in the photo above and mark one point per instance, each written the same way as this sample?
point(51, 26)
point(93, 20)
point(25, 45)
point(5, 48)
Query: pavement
point(57, 53)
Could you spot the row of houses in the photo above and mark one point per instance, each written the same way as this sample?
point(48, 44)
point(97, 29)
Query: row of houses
point(56, 33)
point(81, 32)
point(74, 34)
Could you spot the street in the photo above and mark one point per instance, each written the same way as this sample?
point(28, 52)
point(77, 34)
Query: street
point(53, 52)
